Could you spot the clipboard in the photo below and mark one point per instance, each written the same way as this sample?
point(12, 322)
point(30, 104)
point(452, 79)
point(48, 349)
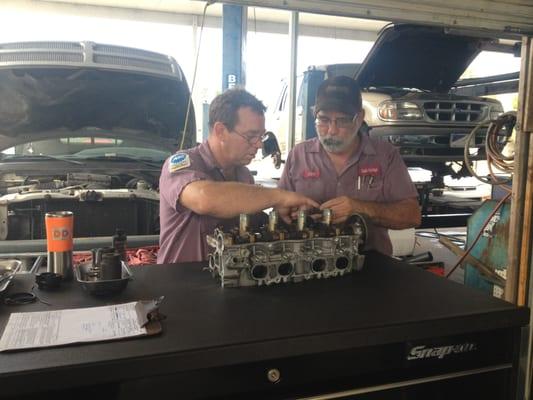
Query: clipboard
point(43, 329)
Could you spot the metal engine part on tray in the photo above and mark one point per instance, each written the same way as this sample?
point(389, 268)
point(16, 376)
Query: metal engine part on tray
point(90, 279)
point(278, 253)
point(8, 269)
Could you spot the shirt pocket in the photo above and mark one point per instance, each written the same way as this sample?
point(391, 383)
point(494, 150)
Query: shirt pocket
point(370, 191)
point(311, 187)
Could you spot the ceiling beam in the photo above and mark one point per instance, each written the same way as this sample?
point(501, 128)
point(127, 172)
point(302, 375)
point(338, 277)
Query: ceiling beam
point(213, 19)
point(502, 17)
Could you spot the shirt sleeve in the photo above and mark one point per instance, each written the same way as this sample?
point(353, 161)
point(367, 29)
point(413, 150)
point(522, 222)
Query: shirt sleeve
point(172, 184)
point(247, 176)
point(285, 181)
point(398, 184)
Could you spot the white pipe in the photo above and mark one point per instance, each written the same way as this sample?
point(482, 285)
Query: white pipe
point(293, 37)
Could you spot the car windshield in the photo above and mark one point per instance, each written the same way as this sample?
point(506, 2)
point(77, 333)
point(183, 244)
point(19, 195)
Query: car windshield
point(87, 147)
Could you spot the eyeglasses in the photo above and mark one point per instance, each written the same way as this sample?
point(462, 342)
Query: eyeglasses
point(252, 140)
point(342, 122)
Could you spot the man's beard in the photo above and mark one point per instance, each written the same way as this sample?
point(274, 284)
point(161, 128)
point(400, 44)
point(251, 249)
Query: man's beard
point(334, 144)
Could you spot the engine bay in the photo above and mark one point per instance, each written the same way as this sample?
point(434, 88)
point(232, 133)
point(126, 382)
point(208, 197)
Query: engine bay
point(101, 203)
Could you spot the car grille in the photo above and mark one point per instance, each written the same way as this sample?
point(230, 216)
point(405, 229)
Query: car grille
point(87, 54)
point(454, 111)
point(42, 46)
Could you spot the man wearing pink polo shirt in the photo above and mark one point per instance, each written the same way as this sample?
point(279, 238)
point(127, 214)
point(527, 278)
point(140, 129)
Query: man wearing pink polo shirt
point(350, 172)
point(209, 184)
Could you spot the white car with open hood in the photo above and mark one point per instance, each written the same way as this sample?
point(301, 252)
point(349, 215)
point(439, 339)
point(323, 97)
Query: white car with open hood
point(86, 127)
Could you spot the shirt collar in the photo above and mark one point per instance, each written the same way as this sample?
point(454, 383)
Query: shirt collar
point(313, 146)
point(211, 163)
point(207, 155)
point(368, 146)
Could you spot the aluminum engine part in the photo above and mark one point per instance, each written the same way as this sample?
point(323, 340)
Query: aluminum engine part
point(292, 253)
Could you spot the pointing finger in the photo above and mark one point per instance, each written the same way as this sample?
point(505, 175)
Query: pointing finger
point(329, 204)
point(312, 204)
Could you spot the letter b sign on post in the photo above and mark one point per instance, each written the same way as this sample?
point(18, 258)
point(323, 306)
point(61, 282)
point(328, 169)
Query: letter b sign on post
point(232, 81)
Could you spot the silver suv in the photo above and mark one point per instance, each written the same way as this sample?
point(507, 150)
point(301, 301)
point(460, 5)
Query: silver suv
point(405, 79)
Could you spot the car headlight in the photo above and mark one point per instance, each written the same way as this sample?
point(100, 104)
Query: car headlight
point(399, 111)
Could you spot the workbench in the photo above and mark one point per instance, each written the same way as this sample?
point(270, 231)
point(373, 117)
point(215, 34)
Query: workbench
point(390, 331)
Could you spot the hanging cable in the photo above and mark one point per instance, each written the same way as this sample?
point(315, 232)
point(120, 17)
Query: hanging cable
point(494, 148)
point(437, 235)
point(189, 103)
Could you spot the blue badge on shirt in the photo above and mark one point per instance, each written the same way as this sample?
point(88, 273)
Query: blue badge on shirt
point(179, 161)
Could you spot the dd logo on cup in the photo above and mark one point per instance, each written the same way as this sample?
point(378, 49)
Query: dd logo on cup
point(61, 234)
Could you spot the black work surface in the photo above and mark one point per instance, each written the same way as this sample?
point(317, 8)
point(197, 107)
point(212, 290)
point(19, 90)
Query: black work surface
point(208, 326)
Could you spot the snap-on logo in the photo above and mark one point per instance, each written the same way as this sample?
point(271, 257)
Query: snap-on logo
point(423, 352)
point(309, 174)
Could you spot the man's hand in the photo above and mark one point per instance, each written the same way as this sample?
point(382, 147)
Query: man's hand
point(290, 202)
point(400, 214)
point(341, 208)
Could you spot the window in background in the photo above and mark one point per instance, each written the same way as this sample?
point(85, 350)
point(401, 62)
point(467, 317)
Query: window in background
point(267, 63)
point(321, 51)
point(208, 76)
point(489, 63)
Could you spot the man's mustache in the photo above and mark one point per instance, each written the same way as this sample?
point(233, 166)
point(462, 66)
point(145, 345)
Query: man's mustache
point(333, 141)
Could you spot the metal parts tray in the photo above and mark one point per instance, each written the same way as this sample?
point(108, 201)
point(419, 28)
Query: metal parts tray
point(102, 287)
point(8, 269)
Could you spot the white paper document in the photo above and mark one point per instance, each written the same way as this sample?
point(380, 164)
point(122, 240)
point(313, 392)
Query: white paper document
point(59, 327)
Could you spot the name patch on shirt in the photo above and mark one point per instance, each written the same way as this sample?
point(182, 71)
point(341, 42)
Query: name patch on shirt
point(370, 170)
point(179, 161)
point(311, 174)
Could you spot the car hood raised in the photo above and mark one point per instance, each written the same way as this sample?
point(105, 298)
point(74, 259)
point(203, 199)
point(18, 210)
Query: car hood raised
point(42, 102)
point(411, 56)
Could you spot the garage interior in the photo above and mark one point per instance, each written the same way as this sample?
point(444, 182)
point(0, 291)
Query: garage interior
point(446, 317)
